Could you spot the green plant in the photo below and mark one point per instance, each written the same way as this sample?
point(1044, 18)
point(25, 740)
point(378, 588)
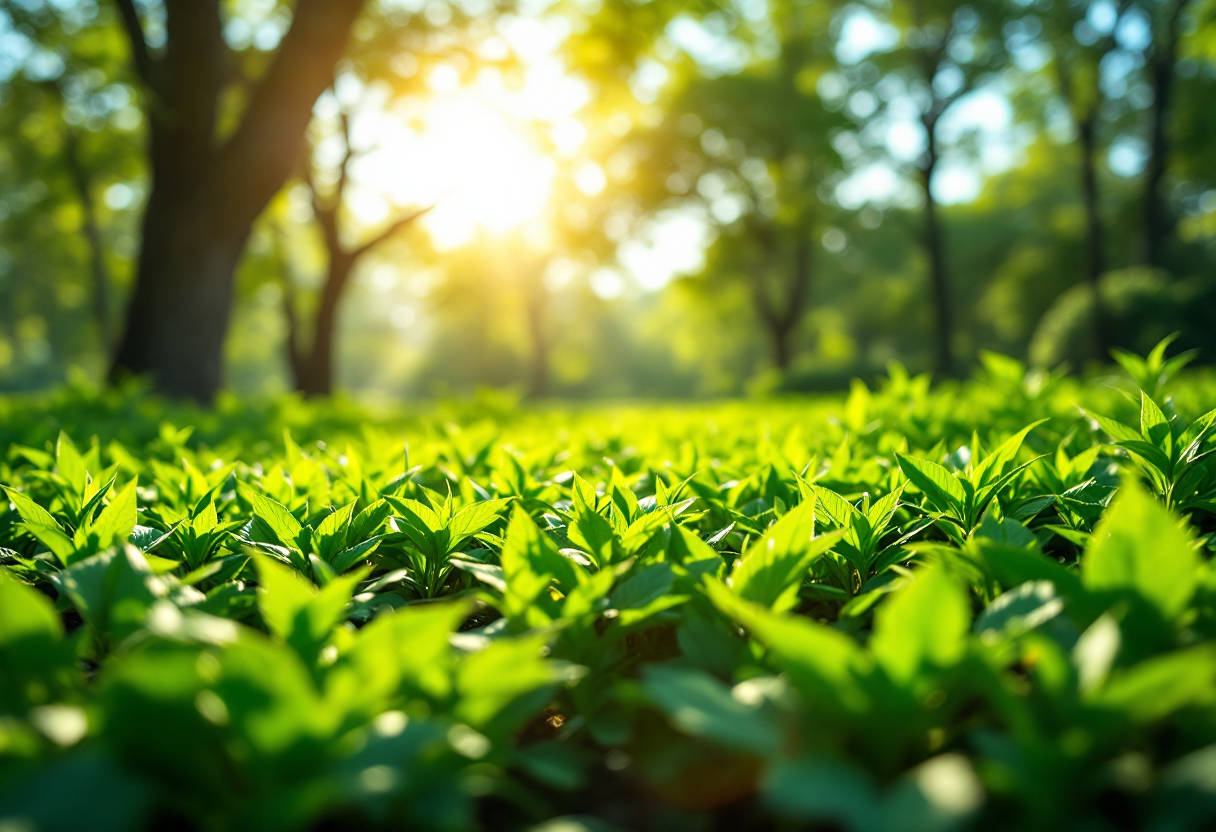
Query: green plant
point(745, 615)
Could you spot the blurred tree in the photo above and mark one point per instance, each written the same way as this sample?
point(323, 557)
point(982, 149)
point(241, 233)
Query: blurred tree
point(312, 366)
point(757, 155)
point(1078, 50)
point(386, 64)
point(1166, 21)
point(945, 49)
point(214, 165)
point(70, 159)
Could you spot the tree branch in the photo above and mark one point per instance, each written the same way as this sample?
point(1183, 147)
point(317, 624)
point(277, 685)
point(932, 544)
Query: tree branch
point(259, 157)
point(388, 232)
point(326, 214)
point(145, 66)
point(344, 165)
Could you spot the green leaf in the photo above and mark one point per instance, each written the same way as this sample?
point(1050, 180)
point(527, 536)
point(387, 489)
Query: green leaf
point(1154, 426)
point(112, 591)
point(368, 522)
point(349, 557)
point(1150, 453)
point(701, 706)
point(25, 613)
point(922, 626)
point(1157, 687)
point(70, 465)
point(993, 466)
point(404, 649)
point(531, 564)
point(491, 680)
point(1139, 547)
point(773, 568)
point(840, 510)
point(1019, 610)
point(295, 611)
point(329, 537)
point(30, 512)
point(277, 518)
point(117, 519)
point(824, 790)
point(882, 510)
point(56, 542)
point(823, 663)
point(472, 519)
point(593, 534)
point(1115, 430)
point(944, 492)
point(643, 587)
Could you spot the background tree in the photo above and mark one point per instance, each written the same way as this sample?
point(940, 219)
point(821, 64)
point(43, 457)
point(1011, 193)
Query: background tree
point(1167, 23)
point(1078, 49)
point(944, 50)
point(312, 365)
point(69, 158)
point(210, 179)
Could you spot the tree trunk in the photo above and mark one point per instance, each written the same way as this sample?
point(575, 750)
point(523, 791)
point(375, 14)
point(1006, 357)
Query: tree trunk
point(315, 370)
point(1158, 223)
point(781, 345)
point(206, 195)
point(178, 314)
point(538, 369)
point(939, 279)
point(784, 326)
point(1095, 258)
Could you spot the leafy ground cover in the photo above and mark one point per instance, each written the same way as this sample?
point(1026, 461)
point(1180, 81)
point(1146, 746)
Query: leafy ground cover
point(985, 605)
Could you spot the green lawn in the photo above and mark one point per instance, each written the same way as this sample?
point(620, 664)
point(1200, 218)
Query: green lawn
point(971, 606)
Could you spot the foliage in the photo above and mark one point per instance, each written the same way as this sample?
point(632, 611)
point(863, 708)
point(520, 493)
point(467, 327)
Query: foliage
point(971, 606)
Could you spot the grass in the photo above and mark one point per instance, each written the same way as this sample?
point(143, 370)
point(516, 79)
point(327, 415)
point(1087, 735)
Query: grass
point(986, 605)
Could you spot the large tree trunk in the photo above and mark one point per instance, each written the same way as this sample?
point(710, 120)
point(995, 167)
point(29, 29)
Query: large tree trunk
point(178, 315)
point(206, 195)
point(1095, 257)
point(939, 279)
point(1158, 223)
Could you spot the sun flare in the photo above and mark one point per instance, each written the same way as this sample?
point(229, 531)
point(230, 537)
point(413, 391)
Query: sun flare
point(477, 155)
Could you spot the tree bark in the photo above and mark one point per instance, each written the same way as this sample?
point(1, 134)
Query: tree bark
point(1095, 256)
point(205, 195)
point(315, 369)
point(939, 278)
point(1158, 223)
point(781, 319)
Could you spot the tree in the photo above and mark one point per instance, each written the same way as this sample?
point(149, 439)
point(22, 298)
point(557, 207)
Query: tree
point(748, 146)
point(1077, 53)
point(312, 367)
point(69, 157)
point(945, 50)
point(208, 183)
point(1166, 19)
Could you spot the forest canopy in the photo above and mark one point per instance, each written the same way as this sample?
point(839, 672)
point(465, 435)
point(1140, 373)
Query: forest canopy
point(597, 198)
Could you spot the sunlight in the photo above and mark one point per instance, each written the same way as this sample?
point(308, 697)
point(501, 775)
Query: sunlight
point(470, 161)
point(484, 154)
